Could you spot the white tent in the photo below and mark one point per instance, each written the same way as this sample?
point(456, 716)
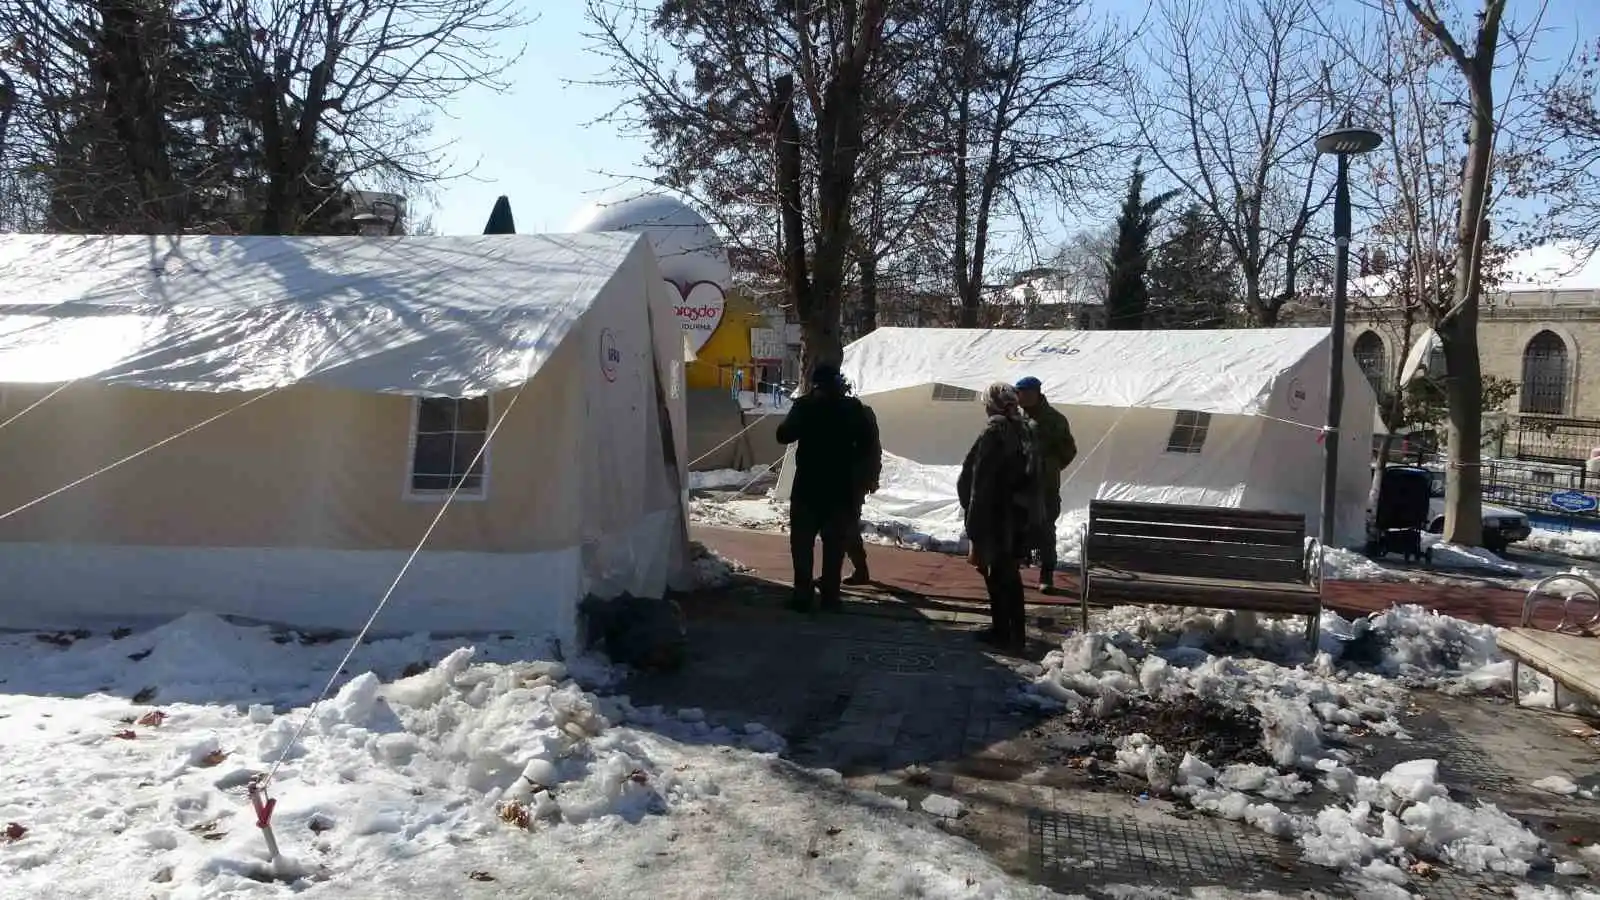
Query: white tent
point(268, 426)
point(1223, 418)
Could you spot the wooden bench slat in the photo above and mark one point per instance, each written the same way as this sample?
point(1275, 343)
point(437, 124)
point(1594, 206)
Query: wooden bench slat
point(1272, 537)
point(1218, 516)
point(1194, 546)
point(1221, 558)
point(1572, 660)
point(1210, 566)
point(1104, 576)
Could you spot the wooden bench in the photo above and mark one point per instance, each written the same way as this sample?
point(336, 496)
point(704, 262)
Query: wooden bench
point(1569, 655)
point(1205, 556)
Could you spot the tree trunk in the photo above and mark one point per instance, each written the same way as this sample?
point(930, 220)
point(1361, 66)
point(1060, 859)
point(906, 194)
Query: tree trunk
point(791, 212)
point(966, 295)
point(866, 318)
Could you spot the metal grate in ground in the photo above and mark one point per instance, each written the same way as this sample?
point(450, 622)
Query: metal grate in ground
point(1072, 852)
point(899, 658)
point(1077, 853)
point(1463, 764)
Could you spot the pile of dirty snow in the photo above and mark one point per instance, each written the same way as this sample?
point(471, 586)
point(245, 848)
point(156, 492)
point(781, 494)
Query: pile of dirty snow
point(727, 479)
point(712, 569)
point(1579, 542)
point(465, 770)
point(1233, 668)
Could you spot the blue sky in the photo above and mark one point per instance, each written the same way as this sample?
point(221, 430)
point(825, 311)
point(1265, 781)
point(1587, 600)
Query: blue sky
point(538, 143)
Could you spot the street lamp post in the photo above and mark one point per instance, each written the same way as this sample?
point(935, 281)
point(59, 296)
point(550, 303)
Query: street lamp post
point(1342, 144)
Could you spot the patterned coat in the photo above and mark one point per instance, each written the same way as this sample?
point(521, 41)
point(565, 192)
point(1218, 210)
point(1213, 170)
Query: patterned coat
point(996, 493)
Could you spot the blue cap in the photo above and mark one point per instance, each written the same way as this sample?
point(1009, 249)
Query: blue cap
point(1029, 383)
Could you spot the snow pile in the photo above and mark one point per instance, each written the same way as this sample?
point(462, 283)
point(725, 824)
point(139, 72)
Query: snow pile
point(757, 514)
point(712, 569)
point(1582, 543)
point(1378, 826)
point(1443, 555)
point(726, 479)
point(464, 770)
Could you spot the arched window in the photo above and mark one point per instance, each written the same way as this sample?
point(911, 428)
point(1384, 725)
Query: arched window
point(1545, 375)
point(1368, 350)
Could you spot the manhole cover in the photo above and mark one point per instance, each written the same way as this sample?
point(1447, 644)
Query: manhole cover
point(893, 659)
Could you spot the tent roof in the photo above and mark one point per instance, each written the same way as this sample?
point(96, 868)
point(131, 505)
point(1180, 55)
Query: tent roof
point(1226, 372)
point(452, 316)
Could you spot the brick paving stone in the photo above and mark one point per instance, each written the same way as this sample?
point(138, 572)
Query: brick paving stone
point(926, 582)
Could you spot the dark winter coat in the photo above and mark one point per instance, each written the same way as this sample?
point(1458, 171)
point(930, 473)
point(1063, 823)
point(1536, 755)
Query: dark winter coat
point(996, 492)
point(833, 440)
point(1053, 442)
point(872, 461)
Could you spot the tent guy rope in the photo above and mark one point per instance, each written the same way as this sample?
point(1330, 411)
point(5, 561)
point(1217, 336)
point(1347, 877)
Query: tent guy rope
point(258, 786)
point(138, 453)
point(754, 421)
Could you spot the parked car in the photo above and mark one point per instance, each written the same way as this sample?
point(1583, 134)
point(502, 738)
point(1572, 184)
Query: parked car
point(1501, 526)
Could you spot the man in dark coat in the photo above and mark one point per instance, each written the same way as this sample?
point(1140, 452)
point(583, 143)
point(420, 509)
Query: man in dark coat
point(997, 494)
point(830, 430)
point(1053, 449)
point(872, 470)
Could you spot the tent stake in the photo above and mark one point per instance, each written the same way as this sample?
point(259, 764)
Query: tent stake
point(263, 806)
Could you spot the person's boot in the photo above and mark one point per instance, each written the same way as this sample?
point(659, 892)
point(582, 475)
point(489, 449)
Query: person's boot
point(802, 600)
point(831, 602)
point(858, 577)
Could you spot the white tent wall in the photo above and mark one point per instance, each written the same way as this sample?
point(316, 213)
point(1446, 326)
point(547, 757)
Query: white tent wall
point(1247, 460)
point(632, 513)
point(293, 508)
point(1289, 457)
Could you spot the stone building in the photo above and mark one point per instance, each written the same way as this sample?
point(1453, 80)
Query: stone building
point(1541, 329)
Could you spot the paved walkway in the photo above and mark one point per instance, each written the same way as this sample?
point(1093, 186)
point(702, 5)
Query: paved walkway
point(899, 698)
point(939, 581)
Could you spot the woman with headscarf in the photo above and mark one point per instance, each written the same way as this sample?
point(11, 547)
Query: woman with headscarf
point(995, 490)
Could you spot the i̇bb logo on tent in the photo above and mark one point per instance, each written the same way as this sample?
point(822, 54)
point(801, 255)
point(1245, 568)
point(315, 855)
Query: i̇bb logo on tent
point(699, 307)
point(610, 356)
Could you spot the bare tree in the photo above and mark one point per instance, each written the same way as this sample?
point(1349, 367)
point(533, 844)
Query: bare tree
point(1572, 108)
point(1013, 91)
point(249, 115)
point(1235, 100)
point(357, 81)
point(1474, 57)
point(764, 114)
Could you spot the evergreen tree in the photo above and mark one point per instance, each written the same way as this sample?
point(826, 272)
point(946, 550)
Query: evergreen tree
point(1192, 279)
point(1127, 297)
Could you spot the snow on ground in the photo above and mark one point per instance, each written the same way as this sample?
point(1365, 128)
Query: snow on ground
point(1580, 543)
point(726, 479)
point(1356, 682)
point(427, 781)
point(917, 508)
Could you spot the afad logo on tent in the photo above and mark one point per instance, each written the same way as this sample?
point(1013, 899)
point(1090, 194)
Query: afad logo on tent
point(1041, 350)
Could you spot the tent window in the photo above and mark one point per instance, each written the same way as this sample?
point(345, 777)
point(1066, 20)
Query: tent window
point(949, 393)
point(1188, 432)
point(447, 437)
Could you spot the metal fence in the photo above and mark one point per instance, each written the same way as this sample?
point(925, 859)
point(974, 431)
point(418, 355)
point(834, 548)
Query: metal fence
point(1528, 485)
point(1550, 439)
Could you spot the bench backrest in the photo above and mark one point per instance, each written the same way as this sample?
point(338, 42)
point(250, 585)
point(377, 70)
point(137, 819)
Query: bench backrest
point(1204, 541)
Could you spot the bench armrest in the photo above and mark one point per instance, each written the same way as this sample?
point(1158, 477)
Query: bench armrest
point(1314, 563)
point(1083, 555)
point(1538, 592)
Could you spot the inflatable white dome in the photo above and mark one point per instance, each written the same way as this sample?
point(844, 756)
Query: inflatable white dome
point(688, 250)
point(687, 247)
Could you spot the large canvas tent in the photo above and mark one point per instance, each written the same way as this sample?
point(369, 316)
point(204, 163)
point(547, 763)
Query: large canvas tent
point(267, 426)
point(1221, 418)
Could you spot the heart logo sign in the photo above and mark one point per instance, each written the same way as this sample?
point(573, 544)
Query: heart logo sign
point(699, 311)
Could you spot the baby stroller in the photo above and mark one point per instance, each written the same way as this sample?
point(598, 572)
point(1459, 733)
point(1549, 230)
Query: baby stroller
point(1401, 513)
